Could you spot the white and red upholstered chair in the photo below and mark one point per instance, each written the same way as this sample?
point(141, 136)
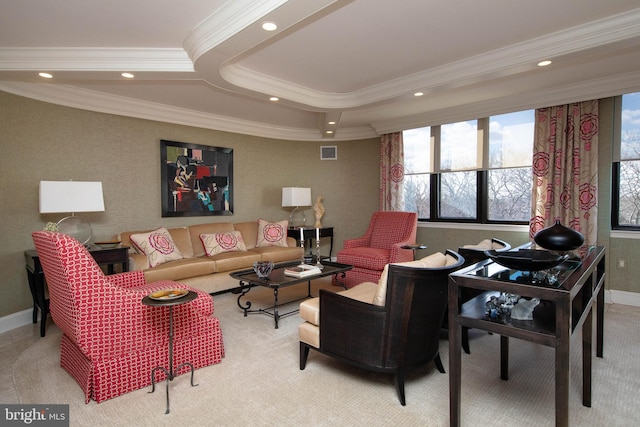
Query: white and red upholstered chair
point(381, 244)
point(390, 326)
point(110, 341)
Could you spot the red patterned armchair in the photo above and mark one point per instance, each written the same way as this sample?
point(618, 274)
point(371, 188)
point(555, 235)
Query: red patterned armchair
point(110, 341)
point(381, 245)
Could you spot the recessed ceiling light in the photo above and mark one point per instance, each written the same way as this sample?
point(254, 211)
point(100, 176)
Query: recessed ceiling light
point(46, 75)
point(329, 131)
point(269, 26)
point(332, 123)
point(544, 63)
point(418, 94)
point(127, 75)
point(274, 99)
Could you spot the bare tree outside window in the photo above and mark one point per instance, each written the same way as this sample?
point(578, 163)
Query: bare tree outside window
point(629, 171)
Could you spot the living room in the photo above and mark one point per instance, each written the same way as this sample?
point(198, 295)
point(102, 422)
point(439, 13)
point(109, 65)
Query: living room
point(52, 141)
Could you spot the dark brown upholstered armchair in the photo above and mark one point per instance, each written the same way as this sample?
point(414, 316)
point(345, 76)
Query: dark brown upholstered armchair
point(473, 254)
point(393, 335)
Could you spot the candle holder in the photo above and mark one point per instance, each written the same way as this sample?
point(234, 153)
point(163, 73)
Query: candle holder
point(318, 263)
point(302, 246)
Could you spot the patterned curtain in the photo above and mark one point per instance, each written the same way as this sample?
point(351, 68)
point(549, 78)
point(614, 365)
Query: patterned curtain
point(391, 172)
point(565, 169)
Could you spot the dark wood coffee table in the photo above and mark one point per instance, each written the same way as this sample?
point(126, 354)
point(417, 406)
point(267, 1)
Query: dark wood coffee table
point(276, 280)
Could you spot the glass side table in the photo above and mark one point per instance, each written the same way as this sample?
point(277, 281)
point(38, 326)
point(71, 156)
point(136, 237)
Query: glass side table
point(190, 296)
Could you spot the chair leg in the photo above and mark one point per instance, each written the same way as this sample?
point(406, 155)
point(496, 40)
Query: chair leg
point(438, 363)
point(465, 340)
point(304, 353)
point(399, 380)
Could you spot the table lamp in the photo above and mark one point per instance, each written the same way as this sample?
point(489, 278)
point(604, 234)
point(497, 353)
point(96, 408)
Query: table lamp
point(72, 197)
point(296, 196)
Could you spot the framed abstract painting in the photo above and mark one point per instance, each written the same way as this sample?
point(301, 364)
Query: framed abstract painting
point(197, 180)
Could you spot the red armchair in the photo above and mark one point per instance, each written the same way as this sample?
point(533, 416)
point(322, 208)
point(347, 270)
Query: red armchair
point(110, 341)
point(381, 245)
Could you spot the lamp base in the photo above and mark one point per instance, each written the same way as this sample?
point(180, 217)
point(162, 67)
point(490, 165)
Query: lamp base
point(75, 227)
point(297, 218)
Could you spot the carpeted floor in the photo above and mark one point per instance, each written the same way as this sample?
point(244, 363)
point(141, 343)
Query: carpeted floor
point(259, 383)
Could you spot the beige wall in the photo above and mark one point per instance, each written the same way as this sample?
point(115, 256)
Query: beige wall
point(42, 141)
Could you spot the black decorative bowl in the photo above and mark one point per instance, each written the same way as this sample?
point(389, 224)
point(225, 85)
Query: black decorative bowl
point(559, 238)
point(526, 259)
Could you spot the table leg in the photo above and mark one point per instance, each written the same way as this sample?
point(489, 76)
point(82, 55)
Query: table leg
point(587, 338)
point(562, 366)
point(170, 373)
point(504, 357)
point(276, 316)
point(455, 358)
point(600, 322)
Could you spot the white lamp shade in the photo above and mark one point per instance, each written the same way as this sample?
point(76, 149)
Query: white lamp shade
point(296, 196)
point(71, 196)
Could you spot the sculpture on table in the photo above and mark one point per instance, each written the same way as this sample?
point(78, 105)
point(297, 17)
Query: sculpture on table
point(318, 208)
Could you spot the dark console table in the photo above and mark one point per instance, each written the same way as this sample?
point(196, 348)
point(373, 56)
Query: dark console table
point(310, 237)
point(35, 275)
point(565, 306)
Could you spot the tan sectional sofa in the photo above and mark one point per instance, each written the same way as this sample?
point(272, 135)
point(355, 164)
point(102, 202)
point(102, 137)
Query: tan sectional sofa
point(210, 274)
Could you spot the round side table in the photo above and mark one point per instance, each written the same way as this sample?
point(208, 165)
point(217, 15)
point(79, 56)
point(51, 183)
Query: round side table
point(414, 248)
point(169, 372)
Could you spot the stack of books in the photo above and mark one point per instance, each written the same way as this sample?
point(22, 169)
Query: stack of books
point(302, 270)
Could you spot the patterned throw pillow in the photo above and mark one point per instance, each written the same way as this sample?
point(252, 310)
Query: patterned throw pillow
point(272, 233)
point(157, 245)
point(217, 243)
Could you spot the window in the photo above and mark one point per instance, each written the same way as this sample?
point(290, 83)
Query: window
point(417, 168)
point(477, 170)
point(626, 167)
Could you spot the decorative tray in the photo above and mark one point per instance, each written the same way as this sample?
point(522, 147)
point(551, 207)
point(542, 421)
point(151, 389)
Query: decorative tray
point(168, 294)
point(527, 259)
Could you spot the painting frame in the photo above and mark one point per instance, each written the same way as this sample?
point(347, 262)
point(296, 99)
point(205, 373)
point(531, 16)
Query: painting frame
point(196, 180)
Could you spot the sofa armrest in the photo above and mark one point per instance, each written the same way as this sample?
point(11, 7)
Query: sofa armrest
point(138, 262)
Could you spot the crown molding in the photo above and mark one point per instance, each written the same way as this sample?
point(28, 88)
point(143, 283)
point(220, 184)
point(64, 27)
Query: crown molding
point(91, 59)
point(510, 60)
point(592, 89)
point(84, 99)
point(226, 23)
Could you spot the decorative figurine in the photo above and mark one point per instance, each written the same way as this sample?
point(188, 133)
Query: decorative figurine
point(318, 208)
point(523, 310)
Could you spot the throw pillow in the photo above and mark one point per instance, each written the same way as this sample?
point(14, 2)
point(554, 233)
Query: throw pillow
point(218, 243)
point(435, 260)
point(485, 245)
point(157, 245)
point(272, 233)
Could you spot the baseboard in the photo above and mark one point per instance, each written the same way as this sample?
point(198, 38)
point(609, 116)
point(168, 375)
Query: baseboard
point(622, 297)
point(21, 318)
point(15, 320)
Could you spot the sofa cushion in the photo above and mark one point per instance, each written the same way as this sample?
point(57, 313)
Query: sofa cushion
point(272, 233)
point(157, 245)
point(217, 243)
point(365, 257)
point(431, 261)
point(181, 269)
point(278, 253)
point(249, 231)
point(235, 260)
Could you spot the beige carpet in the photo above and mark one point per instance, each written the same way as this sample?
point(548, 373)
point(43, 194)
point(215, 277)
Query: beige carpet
point(259, 383)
